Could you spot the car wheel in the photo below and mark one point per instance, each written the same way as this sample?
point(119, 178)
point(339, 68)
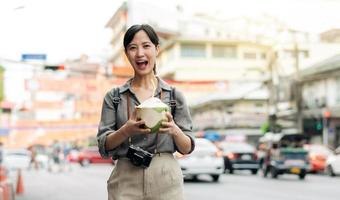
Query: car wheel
point(302, 175)
point(215, 177)
point(254, 171)
point(85, 162)
point(273, 172)
point(330, 171)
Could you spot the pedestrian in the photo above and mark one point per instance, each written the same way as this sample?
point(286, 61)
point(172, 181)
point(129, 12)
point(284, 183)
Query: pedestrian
point(33, 161)
point(119, 130)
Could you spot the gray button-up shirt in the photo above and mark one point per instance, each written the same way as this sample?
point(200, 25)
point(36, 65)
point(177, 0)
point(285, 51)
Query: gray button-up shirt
point(165, 142)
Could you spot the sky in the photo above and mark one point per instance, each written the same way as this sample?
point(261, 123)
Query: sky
point(66, 29)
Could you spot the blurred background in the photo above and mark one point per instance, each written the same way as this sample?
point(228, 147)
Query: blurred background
point(247, 68)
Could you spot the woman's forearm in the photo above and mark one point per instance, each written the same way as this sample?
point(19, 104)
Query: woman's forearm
point(114, 139)
point(183, 142)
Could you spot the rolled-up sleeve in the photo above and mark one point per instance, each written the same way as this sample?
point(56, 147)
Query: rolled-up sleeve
point(183, 119)
point(106, 125)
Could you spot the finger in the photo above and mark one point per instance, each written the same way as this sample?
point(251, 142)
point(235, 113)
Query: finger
point(145, 130)
point(139, 122)
point(164, 130)
point(169, 116)
point(165, 124)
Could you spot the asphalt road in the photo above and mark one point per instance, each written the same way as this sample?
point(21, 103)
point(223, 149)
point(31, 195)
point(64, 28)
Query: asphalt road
point(89, 183)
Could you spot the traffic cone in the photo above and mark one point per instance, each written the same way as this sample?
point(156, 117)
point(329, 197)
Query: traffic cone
point(20, 186)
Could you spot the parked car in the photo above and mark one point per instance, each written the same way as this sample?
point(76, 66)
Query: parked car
point(317, 155)
point(73, 156)
point(16, 158)
point(206, 159)
point(91, 155)
point(333, 163)
point(239, 156)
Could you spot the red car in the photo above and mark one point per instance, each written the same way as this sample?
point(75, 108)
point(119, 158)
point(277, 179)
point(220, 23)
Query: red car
point(317, 155)
point(91, 155)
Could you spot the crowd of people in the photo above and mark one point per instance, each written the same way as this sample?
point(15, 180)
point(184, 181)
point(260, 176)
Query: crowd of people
point(54, 157)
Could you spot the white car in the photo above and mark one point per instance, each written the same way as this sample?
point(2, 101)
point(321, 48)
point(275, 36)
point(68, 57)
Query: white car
point(333, 163)
point(205, 159)
point(16, 158)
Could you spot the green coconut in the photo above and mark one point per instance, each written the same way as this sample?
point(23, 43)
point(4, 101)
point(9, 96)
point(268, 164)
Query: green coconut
point(153, 112)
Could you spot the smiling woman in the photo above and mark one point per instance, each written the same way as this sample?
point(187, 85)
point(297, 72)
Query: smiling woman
point(125, 136)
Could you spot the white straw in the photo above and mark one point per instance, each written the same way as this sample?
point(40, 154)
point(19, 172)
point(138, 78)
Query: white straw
point(154, 88)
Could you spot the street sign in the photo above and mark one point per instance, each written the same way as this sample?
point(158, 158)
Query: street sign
point(25, 57)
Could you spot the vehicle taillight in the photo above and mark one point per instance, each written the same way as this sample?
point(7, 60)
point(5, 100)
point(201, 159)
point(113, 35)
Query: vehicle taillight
point(231, 156)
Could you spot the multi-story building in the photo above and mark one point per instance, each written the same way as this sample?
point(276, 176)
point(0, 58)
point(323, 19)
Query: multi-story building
point(59, 102)
point(321, 101)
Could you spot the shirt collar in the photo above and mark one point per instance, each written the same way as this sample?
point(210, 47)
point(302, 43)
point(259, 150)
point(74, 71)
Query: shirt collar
point(161, 85)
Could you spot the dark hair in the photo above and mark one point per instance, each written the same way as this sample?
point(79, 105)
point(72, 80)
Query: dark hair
point(131, 32)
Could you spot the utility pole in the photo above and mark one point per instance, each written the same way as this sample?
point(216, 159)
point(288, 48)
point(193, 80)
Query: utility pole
point(297, 88)
point(272, 83)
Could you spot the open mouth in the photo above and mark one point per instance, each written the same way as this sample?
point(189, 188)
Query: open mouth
point(142, 64)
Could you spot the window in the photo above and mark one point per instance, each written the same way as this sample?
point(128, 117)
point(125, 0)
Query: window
point(249, 55)
point(193, 50)
point(258, 105)
point(223, 51)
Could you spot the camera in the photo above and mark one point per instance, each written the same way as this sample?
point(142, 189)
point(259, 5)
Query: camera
point(139, 157)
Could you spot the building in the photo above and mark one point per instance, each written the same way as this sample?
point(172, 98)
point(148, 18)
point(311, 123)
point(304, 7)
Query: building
point(59, 102)
point(321, 101)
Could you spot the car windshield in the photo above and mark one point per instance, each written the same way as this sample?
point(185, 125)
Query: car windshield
point(204, 146)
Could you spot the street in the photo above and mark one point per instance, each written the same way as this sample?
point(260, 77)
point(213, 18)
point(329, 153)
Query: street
point(89, 183)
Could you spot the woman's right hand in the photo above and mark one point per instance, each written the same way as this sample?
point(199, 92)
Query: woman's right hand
point(134, 126)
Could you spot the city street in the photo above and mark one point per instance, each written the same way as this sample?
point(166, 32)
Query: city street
point(90, 183)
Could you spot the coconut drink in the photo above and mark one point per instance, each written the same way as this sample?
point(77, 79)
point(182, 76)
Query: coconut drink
point(153, 112)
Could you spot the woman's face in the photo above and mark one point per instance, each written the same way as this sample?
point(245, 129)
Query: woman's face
point(142, 53)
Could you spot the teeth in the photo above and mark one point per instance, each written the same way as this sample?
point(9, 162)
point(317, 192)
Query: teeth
point(142, 62)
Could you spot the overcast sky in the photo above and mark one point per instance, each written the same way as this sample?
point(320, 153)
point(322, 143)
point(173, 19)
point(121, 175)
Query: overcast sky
point(68, 28)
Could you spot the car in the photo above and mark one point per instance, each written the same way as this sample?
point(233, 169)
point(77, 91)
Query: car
point(73, 156)
point(239, 156)
point(206, 159)
point(90, 155)
point(16, 158)
point(284, 155)
point(317, 155)
point(333, 163)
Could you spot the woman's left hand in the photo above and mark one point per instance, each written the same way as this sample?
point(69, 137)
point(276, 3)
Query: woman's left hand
point(169, 126)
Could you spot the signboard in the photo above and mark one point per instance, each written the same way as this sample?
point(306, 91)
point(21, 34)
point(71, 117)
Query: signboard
point(25, 57)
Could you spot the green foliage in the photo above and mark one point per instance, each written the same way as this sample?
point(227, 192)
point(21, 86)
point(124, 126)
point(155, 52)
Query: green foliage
point(265, 127)
point(268, 127)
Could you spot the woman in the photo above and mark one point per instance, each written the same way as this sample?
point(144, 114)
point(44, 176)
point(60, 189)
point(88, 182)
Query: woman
point(119, 127)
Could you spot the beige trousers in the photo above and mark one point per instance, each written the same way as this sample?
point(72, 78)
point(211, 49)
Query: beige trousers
point(162, 180)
